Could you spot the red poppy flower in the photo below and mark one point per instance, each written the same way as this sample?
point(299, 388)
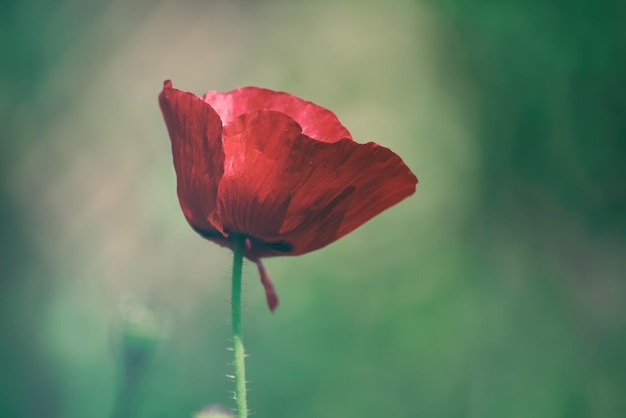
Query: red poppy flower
point(278, 169)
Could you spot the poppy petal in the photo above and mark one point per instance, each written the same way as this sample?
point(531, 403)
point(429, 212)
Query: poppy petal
point(294, 194)
point(316, 121)
point(251, 199)
point(352, 183)
point(195, 131)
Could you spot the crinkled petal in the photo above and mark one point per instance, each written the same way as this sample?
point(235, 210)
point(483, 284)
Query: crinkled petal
point(195, 131)
point(316, 121)
point(353, 183)
point(252, 196)
point(293, 194)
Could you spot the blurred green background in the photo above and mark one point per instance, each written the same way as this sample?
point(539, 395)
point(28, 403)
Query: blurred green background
point(498, 290)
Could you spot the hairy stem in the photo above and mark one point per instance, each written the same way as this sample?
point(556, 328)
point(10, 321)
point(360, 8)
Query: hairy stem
point(240, 369)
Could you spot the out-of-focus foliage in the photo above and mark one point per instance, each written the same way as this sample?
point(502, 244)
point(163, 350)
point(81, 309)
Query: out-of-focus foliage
point(497, 290)
point(547, 80)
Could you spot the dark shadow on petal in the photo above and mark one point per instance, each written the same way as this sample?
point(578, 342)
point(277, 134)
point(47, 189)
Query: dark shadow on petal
point(258, 248)
point(215, 236)
point(279, 247)
point(322, 227)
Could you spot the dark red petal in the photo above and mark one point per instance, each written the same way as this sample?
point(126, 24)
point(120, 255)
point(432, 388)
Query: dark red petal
point(316, 121)
point(353, 183)
point(294, 194)
point(195, 131)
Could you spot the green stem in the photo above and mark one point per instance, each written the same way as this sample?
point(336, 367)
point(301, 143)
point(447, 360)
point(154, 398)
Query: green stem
point(240, 368)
